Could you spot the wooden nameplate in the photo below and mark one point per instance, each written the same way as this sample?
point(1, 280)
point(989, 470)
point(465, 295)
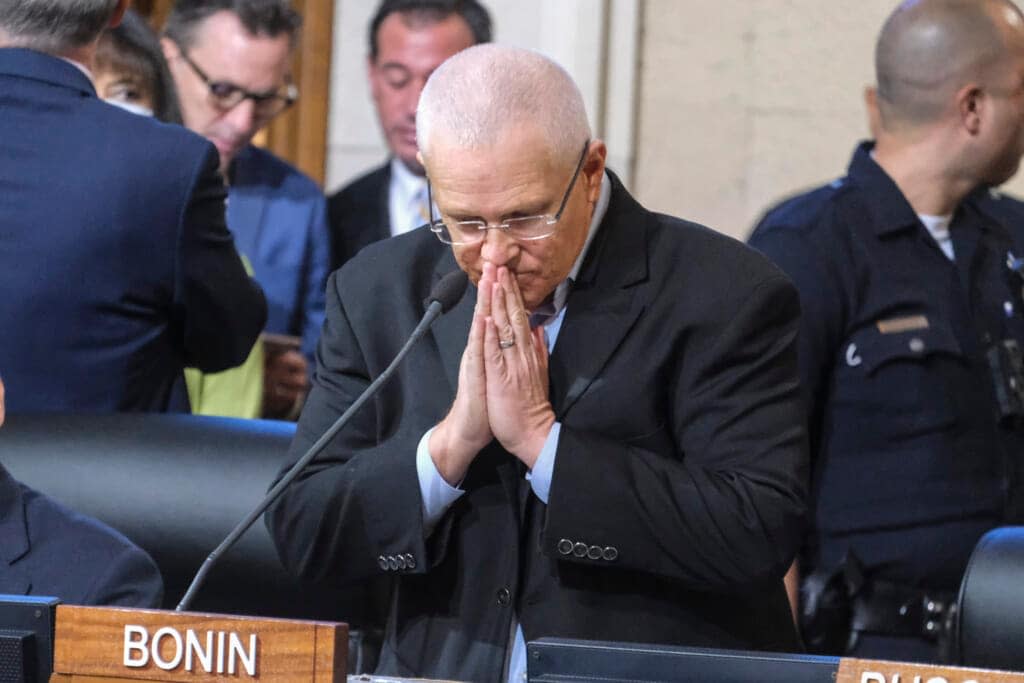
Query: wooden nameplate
point(112, 645)
point(853, 670)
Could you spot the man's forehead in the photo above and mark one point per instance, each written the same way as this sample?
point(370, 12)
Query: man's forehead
point(479, 185)
point(226, 44)
point(421, 43)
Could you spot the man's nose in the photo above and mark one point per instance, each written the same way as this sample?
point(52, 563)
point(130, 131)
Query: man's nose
point(498, 247)
point(242, 117)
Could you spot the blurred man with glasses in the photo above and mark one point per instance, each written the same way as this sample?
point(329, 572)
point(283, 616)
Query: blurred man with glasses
point(230, 60)
point(602, 439)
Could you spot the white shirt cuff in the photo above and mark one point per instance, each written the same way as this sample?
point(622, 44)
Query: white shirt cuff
point(540, 476)
point(436, 493)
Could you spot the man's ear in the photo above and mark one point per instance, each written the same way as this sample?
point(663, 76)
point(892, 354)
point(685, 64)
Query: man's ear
point(122, 7)
point(871, 106)
point(371, 72)
point(970, 101)
point(593, 168)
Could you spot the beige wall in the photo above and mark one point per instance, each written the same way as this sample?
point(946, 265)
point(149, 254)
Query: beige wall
point(743, 102)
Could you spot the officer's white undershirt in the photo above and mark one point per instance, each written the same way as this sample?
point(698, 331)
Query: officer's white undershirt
point(438, 496)
point(938, 227)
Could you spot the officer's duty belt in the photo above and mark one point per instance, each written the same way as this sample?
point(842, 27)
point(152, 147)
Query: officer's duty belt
point(892, 609)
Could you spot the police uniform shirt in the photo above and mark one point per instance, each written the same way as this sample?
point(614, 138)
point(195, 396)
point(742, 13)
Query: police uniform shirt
point(910, 458)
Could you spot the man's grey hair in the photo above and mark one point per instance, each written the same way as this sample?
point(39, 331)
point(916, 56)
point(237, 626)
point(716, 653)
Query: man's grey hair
point(478, 94)
point(53, 26)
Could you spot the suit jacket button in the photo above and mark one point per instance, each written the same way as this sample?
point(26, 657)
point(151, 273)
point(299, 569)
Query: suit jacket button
point(410, 561)
point(564, 546)
point(594, 552)
point(383, 562)
point(504, 597)
point(580, 549)
point(392, 563)
point(611, 553)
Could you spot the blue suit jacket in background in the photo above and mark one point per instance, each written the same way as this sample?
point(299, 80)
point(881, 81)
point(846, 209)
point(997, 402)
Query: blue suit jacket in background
point(116, 267)
point(279, 218)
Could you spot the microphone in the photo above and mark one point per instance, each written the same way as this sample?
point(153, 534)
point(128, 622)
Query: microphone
point(445, 294)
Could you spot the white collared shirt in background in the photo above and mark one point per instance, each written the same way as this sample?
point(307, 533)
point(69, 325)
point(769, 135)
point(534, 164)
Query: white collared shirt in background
point(407, 199)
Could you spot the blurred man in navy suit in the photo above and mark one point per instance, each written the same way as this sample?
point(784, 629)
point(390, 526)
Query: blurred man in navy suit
point(46, 549)
point(115, 262)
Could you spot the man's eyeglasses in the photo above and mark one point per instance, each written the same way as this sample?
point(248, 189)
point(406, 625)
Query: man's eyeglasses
point(525, 228)
point(225, 95)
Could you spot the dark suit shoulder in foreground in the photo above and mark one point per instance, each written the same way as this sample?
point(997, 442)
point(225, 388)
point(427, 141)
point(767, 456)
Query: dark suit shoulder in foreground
point(47, 549)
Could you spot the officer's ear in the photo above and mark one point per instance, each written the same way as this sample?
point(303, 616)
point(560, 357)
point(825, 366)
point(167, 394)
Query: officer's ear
point(970, 103)
point(871, 107)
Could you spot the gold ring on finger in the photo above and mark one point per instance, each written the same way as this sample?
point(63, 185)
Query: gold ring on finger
point(506, 343)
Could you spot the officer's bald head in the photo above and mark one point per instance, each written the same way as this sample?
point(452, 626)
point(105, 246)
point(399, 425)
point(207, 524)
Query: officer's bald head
point(929, 49)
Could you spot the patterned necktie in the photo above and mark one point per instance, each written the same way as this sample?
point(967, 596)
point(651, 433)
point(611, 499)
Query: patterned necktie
point(543, 314)
point(423, 211)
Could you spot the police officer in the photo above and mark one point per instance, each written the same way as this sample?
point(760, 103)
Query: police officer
point(911, 334)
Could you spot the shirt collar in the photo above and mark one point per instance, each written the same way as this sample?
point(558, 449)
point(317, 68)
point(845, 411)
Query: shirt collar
point(888, 209)
point(81, 67)
point(405, 183)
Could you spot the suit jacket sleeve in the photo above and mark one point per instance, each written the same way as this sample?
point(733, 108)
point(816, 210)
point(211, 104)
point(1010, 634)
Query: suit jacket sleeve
point(220, 308)
point(361, 496)
point(724, 511)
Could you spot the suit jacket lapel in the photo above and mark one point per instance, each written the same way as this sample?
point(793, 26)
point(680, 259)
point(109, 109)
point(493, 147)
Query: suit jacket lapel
point(604, 302)
point(14, 541)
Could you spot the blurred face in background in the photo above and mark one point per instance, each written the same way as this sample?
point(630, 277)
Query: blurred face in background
point(124, 88)
point(408, 51)
point(226, 53)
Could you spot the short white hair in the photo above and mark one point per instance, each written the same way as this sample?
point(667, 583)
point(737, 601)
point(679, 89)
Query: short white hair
point(480, 92)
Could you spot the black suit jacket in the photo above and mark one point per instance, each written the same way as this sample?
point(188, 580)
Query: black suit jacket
point(682, 449)
point(358, 214)
point(46, 549)
point(116, 267)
